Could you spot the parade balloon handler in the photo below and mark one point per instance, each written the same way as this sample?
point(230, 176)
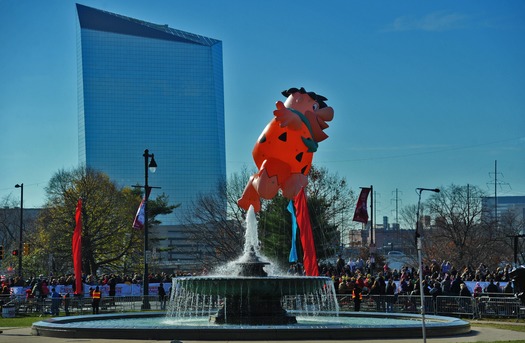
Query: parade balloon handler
point(284, 151)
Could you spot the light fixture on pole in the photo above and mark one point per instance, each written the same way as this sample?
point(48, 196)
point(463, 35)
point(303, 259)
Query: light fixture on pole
point(149, 165)
point(21, 186)
point(419, 246)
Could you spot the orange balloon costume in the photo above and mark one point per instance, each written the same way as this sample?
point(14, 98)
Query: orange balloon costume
point(284, 151)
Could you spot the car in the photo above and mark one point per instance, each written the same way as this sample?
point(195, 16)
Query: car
point(395, 254)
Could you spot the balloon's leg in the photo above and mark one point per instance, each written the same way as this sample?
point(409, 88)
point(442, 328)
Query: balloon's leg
point(250, 197)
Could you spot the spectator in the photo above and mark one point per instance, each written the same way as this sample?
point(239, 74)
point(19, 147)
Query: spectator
point(464, 291)
point(55, 302)
point(455, 285)
point(491, 287)
point(96, 297)
point(508, 288)
point(340, 265)
point(390, 292)
point(343, 287)
point(465, 301)
point(112, 282)
point(162, 296)
point(435, 291)
point(445, 285)
point(351, 265)
point(377, 297)
point(357, 296)
point(67, 300)
point(477, 290)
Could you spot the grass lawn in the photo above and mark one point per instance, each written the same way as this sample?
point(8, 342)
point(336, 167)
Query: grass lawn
point(21, 321)
point(503, 324)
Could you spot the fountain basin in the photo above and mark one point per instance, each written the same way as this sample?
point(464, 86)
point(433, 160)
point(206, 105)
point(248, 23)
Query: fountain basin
point(250, 300)
point(261, 286)
point(154, 325)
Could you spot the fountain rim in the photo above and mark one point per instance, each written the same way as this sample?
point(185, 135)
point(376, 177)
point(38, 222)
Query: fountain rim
point(437, 326)
point(262, 278)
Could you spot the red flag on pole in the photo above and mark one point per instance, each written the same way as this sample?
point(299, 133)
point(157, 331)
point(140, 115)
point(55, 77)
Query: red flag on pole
point(307, 238)
point(77, 248)
point(138, 223)
point(361, 213)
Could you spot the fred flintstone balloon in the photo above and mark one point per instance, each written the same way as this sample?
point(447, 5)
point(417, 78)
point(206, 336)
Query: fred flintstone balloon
point(284, 151)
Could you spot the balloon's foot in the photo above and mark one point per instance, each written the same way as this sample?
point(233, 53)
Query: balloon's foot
point(250, 197)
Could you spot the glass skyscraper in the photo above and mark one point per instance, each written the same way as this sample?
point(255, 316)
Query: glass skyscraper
point(148, 86)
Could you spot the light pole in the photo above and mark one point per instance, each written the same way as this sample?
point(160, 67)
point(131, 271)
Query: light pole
point(419, 247)
point(151, 165)
point(21, 186)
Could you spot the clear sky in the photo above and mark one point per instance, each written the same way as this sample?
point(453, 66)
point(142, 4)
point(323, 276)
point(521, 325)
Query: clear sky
point(426, 93)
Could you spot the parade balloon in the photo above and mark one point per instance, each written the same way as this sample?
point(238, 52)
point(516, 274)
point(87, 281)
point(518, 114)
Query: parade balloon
point(284, 151)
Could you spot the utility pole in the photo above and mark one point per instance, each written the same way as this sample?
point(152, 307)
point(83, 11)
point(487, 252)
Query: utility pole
point(397, 201)
point(497, 184)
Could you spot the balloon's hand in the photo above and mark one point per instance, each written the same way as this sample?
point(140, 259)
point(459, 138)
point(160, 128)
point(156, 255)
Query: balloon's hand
point(287, 118)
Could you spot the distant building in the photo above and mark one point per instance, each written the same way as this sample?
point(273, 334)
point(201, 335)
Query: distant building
point(497, 207)
point(148, 86)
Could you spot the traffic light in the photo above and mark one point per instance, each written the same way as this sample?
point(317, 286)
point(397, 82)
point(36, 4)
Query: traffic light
point(1, 252)
point(15, 252)
point(27, 249)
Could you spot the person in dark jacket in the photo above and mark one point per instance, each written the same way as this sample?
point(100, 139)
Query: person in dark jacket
point(357, 296)
point(162, 296)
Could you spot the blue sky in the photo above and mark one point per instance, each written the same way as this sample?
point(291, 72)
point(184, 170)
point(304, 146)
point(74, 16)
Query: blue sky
point(425, 93)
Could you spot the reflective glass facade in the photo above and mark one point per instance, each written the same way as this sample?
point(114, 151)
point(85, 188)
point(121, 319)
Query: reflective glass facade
point(147, 86)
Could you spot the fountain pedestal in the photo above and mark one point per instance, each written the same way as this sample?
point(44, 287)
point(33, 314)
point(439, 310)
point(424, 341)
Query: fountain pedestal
point(253, 305)
point(253, 310)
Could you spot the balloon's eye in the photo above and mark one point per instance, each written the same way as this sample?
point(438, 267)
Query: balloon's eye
point(315, 106)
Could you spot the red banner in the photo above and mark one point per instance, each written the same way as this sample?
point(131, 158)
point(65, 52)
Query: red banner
point(361, 213)
point(77, 248)
point(307, 238)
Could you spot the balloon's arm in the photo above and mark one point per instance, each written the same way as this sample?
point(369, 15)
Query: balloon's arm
point(286, 117)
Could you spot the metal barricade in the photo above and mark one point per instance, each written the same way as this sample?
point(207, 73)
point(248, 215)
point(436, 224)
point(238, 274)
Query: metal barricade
point(498, 307)
point(455, 306)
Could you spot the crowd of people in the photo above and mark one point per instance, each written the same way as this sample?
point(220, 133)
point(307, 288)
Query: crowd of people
point(355, 277)
point(438, 278)
point(358, 278)
point(91, 280)
point(37, 289)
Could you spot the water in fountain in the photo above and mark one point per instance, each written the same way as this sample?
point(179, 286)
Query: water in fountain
point(246, 295)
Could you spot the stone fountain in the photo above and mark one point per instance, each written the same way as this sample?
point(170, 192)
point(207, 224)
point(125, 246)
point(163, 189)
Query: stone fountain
point(249, 296)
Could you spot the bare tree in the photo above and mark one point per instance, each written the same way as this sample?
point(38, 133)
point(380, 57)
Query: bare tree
point(9, 223)
point(216, 223)
point(330, 203)
point(220, 233)
point(510, 230)
point(459, 235)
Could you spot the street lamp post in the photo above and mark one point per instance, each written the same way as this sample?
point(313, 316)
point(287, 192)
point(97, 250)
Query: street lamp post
point(20, 243)
point(151, 165)
point(419, 246)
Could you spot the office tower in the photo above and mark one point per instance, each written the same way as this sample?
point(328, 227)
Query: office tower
point(148, 86)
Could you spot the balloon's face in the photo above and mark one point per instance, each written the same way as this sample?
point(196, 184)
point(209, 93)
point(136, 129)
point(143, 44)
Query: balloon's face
point(301, 103)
